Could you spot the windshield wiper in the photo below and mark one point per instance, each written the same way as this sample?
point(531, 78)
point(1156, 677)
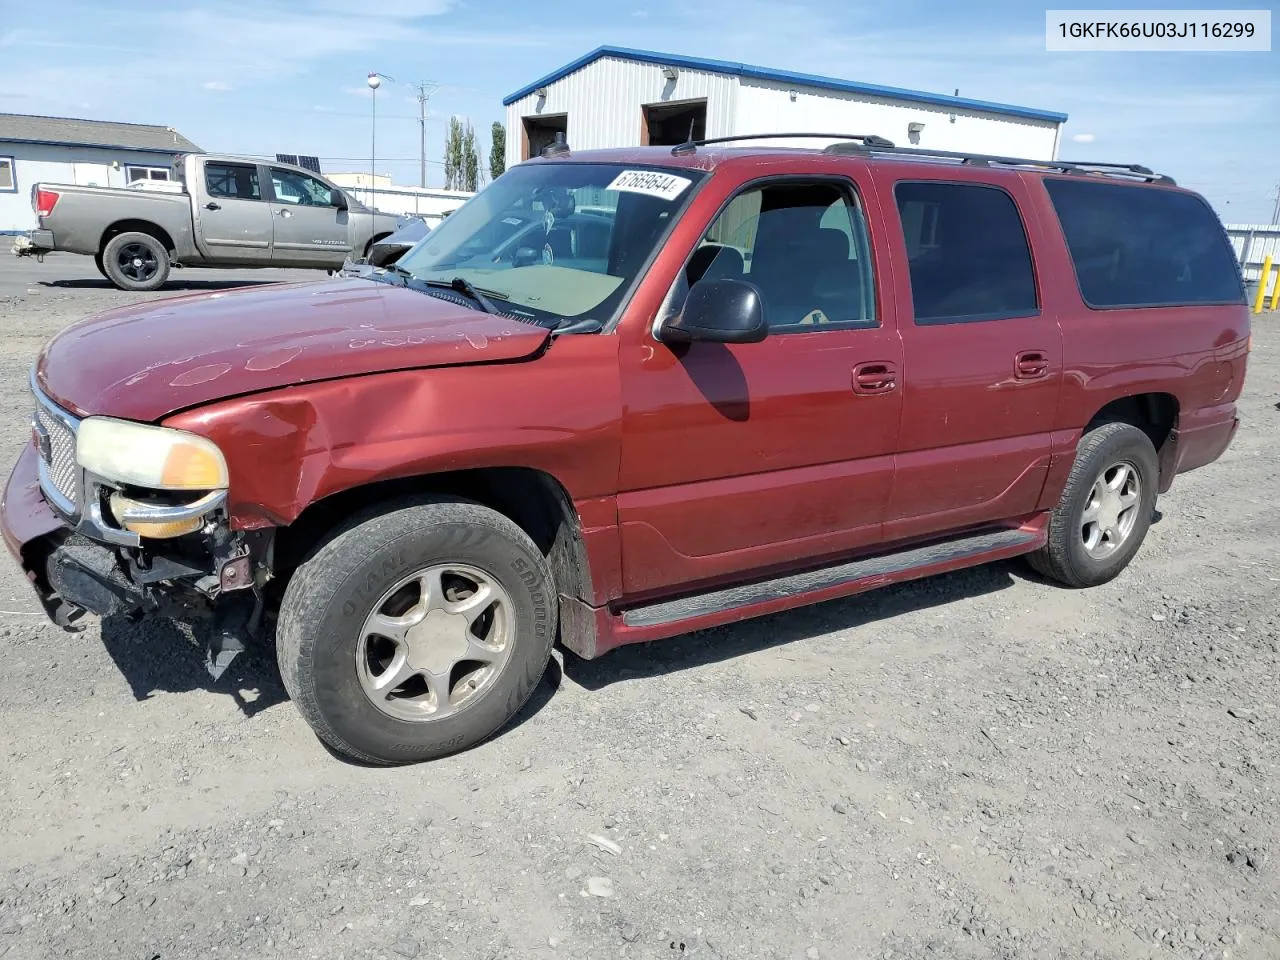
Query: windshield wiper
point(466, 287)
point(569, 325)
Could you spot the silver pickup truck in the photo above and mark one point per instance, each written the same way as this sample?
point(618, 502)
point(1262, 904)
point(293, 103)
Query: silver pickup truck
point(224, 212)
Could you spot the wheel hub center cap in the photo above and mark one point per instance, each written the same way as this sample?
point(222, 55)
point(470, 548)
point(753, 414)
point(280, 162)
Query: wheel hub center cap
point(438, 642)
point(137, 261)
point(1109, 510)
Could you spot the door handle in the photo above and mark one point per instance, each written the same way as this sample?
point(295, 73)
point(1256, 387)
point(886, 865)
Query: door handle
point(212, 206)
point(875, 377)
point(284, 213)
point(1030, 365)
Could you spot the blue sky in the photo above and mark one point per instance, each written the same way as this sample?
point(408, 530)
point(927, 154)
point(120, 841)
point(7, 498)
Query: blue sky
point(267, 76)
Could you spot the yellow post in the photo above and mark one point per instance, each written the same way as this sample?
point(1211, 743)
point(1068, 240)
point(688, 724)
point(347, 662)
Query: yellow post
point(1262, 285)
point(1275, 292)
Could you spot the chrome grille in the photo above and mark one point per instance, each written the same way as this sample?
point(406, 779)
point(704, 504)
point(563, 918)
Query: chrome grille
point(58, 456)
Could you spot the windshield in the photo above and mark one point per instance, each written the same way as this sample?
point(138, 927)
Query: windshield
point(555, 241)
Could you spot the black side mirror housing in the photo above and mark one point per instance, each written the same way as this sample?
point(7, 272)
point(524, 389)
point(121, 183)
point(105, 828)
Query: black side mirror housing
point(719, 311)
point(338, 199)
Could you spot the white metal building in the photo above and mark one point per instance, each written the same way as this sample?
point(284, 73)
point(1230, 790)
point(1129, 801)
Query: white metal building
point(616, 97)
point(88, 152)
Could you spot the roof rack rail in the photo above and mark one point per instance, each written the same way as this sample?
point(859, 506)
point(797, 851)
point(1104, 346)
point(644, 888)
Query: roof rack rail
point(870, 139)
point(1133, 170)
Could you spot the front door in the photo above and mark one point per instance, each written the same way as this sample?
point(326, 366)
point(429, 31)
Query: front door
point(738, 460)
point(234, 221)
point(982, 355)
point(309, 229)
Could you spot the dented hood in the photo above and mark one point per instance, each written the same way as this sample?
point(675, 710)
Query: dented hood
point(145, 361)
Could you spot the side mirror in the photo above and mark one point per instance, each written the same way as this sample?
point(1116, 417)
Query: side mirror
point(719, 311)
point(338, 199)
point(524, 256)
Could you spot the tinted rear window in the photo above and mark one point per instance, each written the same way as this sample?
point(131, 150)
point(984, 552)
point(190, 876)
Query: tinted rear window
point(967, 251)
point(1135, 246)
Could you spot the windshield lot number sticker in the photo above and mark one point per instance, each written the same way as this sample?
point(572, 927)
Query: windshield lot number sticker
point(649, 182)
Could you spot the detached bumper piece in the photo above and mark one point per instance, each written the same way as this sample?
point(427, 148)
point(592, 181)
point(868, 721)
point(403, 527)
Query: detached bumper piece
point(89, 576)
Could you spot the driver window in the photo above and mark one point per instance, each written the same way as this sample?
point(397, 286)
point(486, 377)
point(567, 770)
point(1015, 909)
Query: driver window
point(296, 188)
point(804, 246)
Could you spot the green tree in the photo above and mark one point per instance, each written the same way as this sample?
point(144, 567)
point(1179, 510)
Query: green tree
point(453, 156)
point(470, 160)
point(497, 150)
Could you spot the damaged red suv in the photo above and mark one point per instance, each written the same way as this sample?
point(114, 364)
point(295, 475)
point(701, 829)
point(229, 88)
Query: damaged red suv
point(623, 395)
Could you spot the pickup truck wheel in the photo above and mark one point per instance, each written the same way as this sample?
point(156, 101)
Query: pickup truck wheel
point(1105, 510)
point(418, 632)
point(135, 261)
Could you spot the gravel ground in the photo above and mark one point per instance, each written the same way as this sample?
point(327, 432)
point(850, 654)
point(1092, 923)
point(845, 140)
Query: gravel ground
point(979, 765)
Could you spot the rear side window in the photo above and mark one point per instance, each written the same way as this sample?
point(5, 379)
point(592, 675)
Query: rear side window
point(968, 253)
point(234, 180)
point(1134, 246)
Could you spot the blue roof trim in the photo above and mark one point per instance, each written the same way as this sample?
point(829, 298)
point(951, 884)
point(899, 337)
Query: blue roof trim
point(783, 76)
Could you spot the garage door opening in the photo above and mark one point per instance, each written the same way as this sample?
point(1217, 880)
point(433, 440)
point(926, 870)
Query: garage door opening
point(540, 132)
point(669, 124)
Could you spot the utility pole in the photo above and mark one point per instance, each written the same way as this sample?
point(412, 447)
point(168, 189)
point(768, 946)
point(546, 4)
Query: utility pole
point(375, 81)
point(425, 90)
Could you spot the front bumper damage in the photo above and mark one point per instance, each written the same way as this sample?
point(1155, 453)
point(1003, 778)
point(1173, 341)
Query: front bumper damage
point(78, 564)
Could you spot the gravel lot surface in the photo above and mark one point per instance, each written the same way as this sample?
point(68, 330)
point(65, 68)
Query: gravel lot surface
point(979, 765)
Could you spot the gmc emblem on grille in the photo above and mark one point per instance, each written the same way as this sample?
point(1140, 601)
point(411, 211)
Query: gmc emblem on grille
point(43, 443)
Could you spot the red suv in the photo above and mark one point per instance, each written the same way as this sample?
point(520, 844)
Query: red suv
point(622, 395)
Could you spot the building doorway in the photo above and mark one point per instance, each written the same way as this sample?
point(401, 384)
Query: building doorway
point(669, 124)
point(540, 132)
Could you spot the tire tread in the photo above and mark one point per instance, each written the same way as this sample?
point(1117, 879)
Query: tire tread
point(1053, 560)
point(326, 568)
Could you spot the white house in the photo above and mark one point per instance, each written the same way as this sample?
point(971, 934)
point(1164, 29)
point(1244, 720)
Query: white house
point(616, 97)
point(88, 152)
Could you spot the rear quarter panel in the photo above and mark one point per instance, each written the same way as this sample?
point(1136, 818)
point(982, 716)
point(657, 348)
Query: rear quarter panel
point(83, 214)
point(1195, 353)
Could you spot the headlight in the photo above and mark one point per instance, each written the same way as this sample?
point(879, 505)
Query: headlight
point(157, 458)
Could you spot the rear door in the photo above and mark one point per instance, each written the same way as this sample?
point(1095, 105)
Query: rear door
point(309, 229)
point(744, 458)
point(234, 219)
point(982, 355)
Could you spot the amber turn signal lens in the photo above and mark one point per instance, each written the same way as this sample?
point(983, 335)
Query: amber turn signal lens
point(155, 529)
point(192, 467)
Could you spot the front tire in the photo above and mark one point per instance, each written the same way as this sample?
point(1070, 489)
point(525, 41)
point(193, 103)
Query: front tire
point(135, 261)
point(1105, 510)
point(417, 633)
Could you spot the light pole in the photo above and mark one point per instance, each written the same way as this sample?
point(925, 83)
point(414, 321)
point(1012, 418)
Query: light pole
point(375, 81)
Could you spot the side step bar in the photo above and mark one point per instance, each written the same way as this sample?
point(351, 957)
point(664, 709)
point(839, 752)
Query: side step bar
point(845, 574)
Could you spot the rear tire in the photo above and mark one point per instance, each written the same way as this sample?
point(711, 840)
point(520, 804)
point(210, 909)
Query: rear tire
point(417, 633)
point(135, 261)
point(97, 262)
point(1105, 510)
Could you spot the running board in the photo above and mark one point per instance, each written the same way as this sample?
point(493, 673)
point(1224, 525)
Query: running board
point(884, 565)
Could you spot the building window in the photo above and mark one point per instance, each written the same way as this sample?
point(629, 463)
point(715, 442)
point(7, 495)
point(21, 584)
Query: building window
point(8, 179)
point(134, 174)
